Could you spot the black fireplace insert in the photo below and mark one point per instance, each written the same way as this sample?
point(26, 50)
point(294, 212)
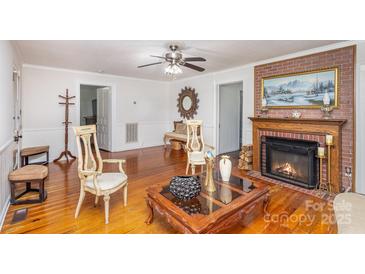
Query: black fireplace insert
point(291, 161)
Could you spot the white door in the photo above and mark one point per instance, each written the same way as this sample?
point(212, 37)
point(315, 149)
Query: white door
point(17, 118)
point(103, 120)
point(229, 117)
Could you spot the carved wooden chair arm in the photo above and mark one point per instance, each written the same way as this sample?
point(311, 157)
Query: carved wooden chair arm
point(87, 173)
point(116, 161)
point(94, 174)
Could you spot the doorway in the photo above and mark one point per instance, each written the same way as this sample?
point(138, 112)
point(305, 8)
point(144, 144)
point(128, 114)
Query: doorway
point(230, 117)
point(95, 109)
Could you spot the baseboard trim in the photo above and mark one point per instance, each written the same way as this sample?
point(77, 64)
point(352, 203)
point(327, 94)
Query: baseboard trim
point(3, 212)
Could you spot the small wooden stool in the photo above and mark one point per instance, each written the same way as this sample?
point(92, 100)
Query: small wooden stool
point(28, 175)
point(25, 153)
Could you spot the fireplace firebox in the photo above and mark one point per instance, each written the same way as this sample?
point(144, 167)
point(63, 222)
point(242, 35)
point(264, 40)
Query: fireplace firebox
point(291, 161)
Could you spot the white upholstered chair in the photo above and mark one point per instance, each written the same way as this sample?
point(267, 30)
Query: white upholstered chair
point(350, 213)
point(195, 146)
point(91, 174)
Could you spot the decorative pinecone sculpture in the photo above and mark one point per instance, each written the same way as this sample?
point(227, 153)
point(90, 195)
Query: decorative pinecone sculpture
point(191, 206)
point(185, 187)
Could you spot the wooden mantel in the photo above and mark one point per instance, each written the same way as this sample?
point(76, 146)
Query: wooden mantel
point(319, 127)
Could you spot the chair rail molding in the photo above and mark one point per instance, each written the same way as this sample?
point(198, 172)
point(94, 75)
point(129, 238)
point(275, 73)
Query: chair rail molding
point(6, 165)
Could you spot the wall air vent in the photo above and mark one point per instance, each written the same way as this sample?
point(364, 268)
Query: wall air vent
point(131, 133)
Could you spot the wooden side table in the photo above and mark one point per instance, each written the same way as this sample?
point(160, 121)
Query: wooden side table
point(28, 175)
point(25, 153)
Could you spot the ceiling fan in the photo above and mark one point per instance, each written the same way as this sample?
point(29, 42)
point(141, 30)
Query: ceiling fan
point(176, 59)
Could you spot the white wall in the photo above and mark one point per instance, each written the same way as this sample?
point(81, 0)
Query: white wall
point(8, 58)
point(42, 116)
point(207, 88)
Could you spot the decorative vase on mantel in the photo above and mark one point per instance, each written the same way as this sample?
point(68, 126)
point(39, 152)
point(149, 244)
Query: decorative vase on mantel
point(225, 167)
point(326, 108)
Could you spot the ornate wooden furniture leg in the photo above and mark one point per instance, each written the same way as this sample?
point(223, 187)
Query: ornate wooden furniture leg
point(165, 140)
point(149, 219)
point(106, 201)
point(81, 199)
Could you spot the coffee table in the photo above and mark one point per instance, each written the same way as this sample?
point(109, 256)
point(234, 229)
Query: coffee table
point(238, 201)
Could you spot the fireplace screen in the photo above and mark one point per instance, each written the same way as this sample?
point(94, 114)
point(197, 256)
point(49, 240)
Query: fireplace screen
point(292, 161)
point(292, 166)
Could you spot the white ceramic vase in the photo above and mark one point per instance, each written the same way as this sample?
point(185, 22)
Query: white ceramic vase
point(225, 167)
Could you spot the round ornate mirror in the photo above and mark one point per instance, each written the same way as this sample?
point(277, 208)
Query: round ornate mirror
point(187, 103)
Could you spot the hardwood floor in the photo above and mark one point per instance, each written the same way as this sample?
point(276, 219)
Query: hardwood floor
point(291, 211)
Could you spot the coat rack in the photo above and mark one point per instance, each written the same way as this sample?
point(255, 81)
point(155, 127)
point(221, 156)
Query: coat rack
point(66, 152)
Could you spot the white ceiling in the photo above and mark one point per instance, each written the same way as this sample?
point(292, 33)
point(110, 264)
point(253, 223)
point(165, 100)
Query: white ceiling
point(123, 57)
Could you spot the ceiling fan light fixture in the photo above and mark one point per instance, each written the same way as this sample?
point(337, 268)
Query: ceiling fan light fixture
point(173, 69)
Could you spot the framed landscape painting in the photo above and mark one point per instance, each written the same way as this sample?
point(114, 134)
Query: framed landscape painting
point(301, 90)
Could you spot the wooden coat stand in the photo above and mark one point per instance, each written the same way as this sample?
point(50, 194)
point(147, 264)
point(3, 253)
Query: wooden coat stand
point(66, 152)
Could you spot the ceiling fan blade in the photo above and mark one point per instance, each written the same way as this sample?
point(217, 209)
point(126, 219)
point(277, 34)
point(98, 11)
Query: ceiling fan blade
point(149, 65)
point(194, 59)
point(191, 66)
point(158, 56)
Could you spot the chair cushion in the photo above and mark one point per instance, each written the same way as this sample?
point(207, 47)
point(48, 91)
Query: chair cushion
point(177, 122)
point(197, 157)
point(28, 173)
point(181, 128)
point(349, 210)
point(107, 180)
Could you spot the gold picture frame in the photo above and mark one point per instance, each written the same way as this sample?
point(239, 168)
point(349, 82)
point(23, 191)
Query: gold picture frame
point(314, 101)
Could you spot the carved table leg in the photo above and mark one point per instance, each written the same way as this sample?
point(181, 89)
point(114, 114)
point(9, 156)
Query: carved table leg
point(149, 219)
point(165, 141)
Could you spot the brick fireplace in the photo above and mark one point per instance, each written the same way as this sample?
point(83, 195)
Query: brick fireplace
point(343, 116)
point(301, 129)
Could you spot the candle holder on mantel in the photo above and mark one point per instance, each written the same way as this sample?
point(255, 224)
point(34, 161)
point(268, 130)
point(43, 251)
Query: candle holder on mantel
point(264, 109)
point(326, 109)
point(264, 112)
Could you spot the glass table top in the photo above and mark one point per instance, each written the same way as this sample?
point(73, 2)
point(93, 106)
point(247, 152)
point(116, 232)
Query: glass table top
point(225, 193)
